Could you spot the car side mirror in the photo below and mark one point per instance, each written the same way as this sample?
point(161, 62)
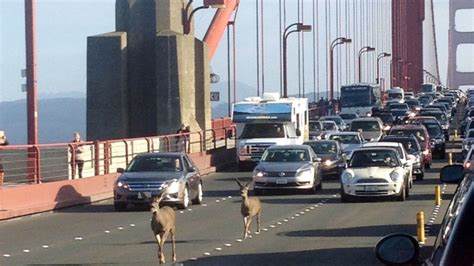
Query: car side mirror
point(192, 169)
point(298, 132)
point(397, 249)
point(452, 173)
point(317, 160)
point(120, 170)
point(411, 157)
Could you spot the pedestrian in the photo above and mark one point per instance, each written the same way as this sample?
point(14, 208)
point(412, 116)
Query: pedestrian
point(3, 142)
point(182, 141)
point(78, 154)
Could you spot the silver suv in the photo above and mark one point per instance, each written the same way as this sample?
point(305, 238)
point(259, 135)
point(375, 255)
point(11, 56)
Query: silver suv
point(371, 128)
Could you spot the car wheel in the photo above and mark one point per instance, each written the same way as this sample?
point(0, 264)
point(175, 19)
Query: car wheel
point(344, 196)
point(120, 206)
point(407, 192)
point(420, 176)
point(402, 196)
point(320, 185)
point(428, 165)
point(198, 199)
point(185, 202)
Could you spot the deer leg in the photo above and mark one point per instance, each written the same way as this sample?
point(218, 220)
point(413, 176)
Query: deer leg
point(173, 246)
point(158, 241)
point(162, 244)
point(245, 227)
point(249, 221)
point(258, 222)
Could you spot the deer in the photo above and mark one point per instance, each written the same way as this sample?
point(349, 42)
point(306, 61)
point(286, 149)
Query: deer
point(250, 207)
point(163, 223)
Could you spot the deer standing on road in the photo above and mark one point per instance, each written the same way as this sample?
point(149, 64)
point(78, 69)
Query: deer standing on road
point(251, 207)
point(163, 222)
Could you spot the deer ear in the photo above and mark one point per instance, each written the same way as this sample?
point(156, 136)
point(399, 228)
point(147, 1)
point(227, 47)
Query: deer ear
point(238, 182)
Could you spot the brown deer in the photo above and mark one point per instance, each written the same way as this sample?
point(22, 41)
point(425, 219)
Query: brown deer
point(251, 207)
point(163, 222)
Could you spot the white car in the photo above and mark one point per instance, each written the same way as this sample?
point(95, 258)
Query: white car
point(349, 140)
point(406, 159)
point(374, 172)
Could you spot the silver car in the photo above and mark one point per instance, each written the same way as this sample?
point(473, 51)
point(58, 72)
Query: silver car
point(150, 174)
point(288, 167)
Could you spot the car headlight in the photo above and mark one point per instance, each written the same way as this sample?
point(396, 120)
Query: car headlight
point(348, 176)
point(328, 162)
point(122, 184)
point(394, 176)
point(259, 173)
point(244, 149)
point(171, 186)
point(304, 171)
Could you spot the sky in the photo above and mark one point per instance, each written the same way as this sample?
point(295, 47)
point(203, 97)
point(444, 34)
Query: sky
point(63, 27)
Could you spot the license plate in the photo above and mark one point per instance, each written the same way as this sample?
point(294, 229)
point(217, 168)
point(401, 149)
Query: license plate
point(147, 194)
point(370, 188)
point(281, 181)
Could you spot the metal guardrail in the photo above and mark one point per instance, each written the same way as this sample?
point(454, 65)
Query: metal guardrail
point(34, 164)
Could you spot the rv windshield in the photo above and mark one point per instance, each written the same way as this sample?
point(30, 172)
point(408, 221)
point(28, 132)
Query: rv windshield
point(356, 97)
point(263, 130)
point(427, 88)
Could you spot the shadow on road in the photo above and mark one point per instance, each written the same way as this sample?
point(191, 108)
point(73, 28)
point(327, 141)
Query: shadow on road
point(336, 256)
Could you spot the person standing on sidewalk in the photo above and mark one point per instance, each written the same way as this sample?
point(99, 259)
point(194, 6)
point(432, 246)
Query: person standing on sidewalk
point(3, 142)
point(78, 155)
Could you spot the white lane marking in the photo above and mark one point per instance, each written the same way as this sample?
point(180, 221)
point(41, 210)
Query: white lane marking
point(293, 217)
point(218, 201)
point(257, 233)
point(297, 215)
point(120, 228)
point(306, 210)
point(316, 205)
point(302, 212)
point(45, 246)
point(272, 226)
point(238, 240)
point(132, 225)
point(285, 220)
point(229, 197)
point(193, 259)
point(204, 205)
point(190, 210)
point(265, 229)
point(206, 254)
point(181, 211)
point(223, 198)
point(6, 255)
point(228, 245)
point(218, 249)
point(107, 231)
point(250, 236)
point(78, 238)
point(26, 251)
point(279, 223)
point(312, 208)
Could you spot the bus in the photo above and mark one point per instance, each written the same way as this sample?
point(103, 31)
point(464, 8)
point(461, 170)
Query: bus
point(360, 98)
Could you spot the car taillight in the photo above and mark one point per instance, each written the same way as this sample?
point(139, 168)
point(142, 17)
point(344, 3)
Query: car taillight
point(467, 165)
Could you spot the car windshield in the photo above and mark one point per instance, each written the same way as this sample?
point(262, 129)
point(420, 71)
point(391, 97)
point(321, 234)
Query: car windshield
point(386, 118)
point(155, 164)
point(398, 112)
point(314, 126)
point(346, 139)
point(323, 147)
point(409, 132)
point(399, 106)
point(374, 158)
point(412, 103)
point(285, 155)
point(365, 126)
point(409, 144)
point(335, 119)
point(267, 130)
point(347, 116)
point(439, 116)
point(433, 129)
point(329, 126)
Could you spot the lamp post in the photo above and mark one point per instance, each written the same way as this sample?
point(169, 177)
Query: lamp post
point(379, 57)
point(206, 4)
point(336, 42)
point(300, 27)
point(364, 49)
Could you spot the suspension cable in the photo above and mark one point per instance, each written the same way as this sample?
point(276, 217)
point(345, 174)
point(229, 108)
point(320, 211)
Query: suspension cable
point(327, 47)
point(314, 50)
point(262, 35)
point(302, 54)
point(317, 49)
point(258, 46)
point(281, 48)
point(299, 50)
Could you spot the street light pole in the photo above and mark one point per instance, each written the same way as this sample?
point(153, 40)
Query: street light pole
point(364, 49)
point(379, 57)
point(300, 27)
point(336, 42)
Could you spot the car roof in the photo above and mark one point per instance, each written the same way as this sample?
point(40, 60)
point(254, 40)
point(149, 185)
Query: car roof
point(346, 133)
point(382, 144)
point(377, 148)
point(161, 154)
point(290, 146)
point(366, 119)
point(319, 141)
point(408, 126)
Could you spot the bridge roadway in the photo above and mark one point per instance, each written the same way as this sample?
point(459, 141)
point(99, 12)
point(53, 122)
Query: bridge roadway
point(297, 229)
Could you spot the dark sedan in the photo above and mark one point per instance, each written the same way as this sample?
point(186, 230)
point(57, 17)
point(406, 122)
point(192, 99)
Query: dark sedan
point(149, 174)
point(333, 160)
point(454, 244)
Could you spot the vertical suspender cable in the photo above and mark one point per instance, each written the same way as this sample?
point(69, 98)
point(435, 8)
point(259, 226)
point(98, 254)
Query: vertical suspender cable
point(327, 48)
point(348, 35)
point(314, 51)
point(317, 48)
point(281, 52)
point(354, 39)
point(337, 55)
point(228, 72)
point(299, 50)
point(262, 34)
point(258, 47)
point(234, 59)
point(302, 54)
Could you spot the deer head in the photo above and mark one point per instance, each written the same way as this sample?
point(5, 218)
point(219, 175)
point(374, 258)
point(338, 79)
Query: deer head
point(244, 189)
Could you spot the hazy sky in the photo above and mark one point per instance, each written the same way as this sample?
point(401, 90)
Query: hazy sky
point(63, 26)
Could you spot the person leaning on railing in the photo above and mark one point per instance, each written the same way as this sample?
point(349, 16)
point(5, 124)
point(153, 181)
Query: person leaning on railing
point(78, 155)
point(3, 142)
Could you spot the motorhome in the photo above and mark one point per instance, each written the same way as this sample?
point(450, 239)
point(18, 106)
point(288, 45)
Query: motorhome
point(263, 122)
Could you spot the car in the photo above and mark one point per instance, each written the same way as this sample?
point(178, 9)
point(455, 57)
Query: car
point(441, 117)
point(341, 125)
point(315, 129)
point(173, 173)
point(454, 244)
point(406, 160)
point(467, 142)
point(469, 161)
point(288, 167)
point(349, 141)
point(412, 146)
point(420, 132)
point(374, 172)
point(437, 138)
point(371, 128)
point(333, 160)
point(348, 117)
point(329, 125)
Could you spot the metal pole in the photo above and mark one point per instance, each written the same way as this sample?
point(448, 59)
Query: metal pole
point(228, 71)
point(285, 77)
point(31, 93)
point(360, 67)
point(331, 73)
